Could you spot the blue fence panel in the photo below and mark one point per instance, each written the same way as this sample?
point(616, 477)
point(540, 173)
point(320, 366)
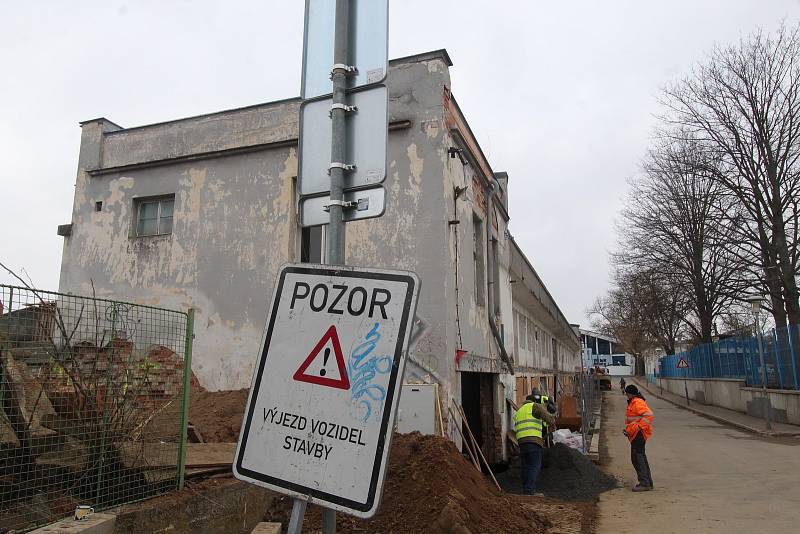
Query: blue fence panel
point(739, 358)
point(778, 360)
point(792, 344)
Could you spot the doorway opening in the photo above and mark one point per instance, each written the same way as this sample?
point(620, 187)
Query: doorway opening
point(478, 402)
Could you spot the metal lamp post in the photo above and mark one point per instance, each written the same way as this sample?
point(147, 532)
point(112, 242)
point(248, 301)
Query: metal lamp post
point(755, 301)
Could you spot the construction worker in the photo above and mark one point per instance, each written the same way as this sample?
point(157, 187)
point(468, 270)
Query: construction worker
point(531, 424)
point(638, 429)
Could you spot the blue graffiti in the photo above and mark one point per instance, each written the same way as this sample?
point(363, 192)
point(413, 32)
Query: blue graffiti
point(363, 369)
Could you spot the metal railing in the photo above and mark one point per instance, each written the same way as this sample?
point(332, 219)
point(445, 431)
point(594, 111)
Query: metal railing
point(738, 358)
point(94, 398)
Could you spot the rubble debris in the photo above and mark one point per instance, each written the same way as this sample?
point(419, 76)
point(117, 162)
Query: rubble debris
point(28, 403)
point(431, 487)
point(566, 474)
point(8, 438)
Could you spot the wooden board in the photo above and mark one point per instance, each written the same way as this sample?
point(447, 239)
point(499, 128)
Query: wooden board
point(198, 455)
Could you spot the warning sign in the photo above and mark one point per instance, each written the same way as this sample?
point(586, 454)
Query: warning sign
point(683, 364)
point(322, 405)
point(321, 370)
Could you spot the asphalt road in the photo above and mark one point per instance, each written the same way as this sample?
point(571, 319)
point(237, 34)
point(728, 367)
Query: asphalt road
point(707, 477)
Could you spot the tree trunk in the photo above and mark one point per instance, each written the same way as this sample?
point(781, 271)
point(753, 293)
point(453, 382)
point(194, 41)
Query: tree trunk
point(703, 311)
point(771, 278)
point(783, 265)
point(776, 300)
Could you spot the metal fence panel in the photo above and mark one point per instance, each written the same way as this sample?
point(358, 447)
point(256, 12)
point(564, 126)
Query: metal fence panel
point(93, 395)
point(739, 358)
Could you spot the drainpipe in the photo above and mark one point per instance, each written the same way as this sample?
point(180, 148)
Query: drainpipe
point(491, 283)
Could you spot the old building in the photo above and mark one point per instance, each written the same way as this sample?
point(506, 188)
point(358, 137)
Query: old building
point(201, 212)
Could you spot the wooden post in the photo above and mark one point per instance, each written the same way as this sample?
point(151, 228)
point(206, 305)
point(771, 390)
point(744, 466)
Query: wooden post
point(465, 440)
point(475, 442)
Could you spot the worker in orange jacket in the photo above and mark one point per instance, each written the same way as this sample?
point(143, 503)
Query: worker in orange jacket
point(638, 429)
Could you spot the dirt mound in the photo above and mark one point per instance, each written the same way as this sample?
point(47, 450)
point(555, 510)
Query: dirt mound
point(572, 476)
point(430, 487)
point(217, 414)
point(566, 474)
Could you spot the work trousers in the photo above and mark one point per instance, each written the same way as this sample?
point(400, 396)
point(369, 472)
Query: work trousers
point(639, 461)
point(530, 465)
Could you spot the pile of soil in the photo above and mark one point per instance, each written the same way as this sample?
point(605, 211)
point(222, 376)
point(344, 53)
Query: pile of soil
point(566, 474)
point(217, 414)
point(430, 487)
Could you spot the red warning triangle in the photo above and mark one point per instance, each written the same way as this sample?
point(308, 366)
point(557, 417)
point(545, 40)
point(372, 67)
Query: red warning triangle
point(683, 364)
point(343, 382)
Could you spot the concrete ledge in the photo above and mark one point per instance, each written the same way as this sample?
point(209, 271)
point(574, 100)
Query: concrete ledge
point(93, 524)
point(715, 417)
point(770, 390)
point(267, 528)
point(216, 505)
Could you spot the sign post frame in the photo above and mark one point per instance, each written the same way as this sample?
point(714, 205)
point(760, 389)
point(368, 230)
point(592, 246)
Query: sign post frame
point(354, 31)
point(683, 364)
point(386, 321)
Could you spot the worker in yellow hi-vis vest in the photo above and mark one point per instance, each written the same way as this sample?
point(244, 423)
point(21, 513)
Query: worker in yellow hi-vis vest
point(531, 423)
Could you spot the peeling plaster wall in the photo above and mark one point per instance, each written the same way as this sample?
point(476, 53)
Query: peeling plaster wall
point(413, 232)
point(233, 228)
point(234, 129)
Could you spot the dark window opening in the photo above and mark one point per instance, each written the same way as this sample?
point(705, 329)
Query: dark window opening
point(98, 206)
point(312, 245)
point(478, 259)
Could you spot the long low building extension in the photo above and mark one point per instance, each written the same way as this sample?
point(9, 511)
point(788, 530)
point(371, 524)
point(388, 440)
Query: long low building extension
point(201, 212)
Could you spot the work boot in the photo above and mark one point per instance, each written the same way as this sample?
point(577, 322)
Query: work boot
point(638, 487)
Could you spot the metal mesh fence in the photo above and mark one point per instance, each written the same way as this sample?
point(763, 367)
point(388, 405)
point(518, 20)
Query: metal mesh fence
point(588, 404)
point(94, 397)
point(740, 358)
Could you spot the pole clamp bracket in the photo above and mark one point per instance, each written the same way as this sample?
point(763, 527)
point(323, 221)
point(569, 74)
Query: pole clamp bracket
point(343, 107)
point(339, 165)
point(348, 69)
point(345, 204)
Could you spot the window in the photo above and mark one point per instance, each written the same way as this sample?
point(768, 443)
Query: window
point(312, 245)
point(477, 257)
point(529, 331)
point(154, 216)
point(98, 206)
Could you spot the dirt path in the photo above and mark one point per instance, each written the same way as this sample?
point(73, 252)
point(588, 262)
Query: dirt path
point(708, 477)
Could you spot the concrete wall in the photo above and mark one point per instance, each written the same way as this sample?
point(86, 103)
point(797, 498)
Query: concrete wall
point(620, 370)
point(734, 395)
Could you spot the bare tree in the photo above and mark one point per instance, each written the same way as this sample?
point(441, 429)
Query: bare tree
point(743, 105)
point(676, 222)
point(643, 309)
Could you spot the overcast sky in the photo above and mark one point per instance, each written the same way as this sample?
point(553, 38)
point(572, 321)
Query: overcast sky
point(561, 95)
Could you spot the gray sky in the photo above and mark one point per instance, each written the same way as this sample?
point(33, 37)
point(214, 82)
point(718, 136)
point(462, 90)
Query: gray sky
point(561, 95)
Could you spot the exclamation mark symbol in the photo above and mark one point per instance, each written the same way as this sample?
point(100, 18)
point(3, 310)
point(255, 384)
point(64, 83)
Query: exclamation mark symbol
point(325, 361)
